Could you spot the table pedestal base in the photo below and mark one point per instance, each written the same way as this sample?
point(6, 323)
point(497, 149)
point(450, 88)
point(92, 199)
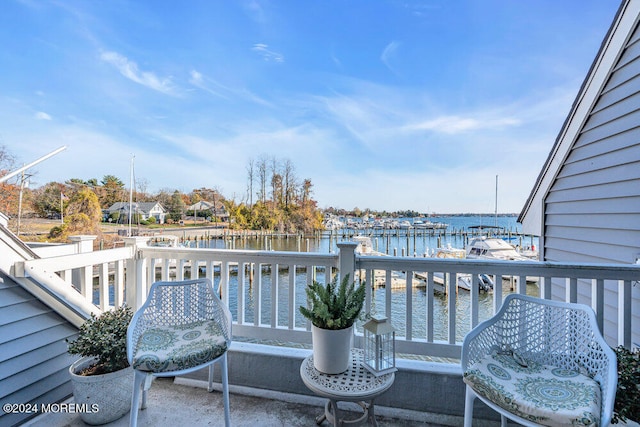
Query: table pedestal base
point(332, 414)
point(356, 385)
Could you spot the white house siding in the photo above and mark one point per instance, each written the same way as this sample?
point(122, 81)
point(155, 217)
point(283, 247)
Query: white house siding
point(34, 361)
point(592, 210)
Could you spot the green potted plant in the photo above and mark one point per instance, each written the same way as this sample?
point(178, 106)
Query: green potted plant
point(627, 404)
point(102, 379)
point(333, 309)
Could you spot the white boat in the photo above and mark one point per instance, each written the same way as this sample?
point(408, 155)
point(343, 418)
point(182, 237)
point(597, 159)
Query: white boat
point(493, 248)
point(365, 247)
point(485, 282)
point(333, 223)
point(428, 225)
point(496, 249)
point(463, 281)
point(450, 252)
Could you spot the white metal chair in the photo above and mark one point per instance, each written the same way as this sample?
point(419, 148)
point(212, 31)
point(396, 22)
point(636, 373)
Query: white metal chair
point(182, 327)
point(540, 362)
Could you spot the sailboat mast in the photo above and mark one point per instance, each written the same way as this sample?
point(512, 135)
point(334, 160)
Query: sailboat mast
point(496, 208)
point(131, 193)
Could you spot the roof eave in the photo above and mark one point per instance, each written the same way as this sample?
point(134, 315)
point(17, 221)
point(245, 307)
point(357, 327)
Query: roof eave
point(608, 55)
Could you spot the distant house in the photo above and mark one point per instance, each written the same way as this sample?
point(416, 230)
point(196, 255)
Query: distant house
point(145, 209)
point(218, 211)
point(585, 204)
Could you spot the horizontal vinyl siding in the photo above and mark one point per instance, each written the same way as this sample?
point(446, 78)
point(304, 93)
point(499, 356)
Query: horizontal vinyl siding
point(592, 207)
point(34, 361)
point(622, 221)
point(601, 191)
point(571, 250)
point(592, 210)
point(626, 157)
point(54, 388)
point(624, 172)
point(16, 365)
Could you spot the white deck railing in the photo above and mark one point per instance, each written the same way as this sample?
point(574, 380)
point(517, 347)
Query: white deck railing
point(431, 315)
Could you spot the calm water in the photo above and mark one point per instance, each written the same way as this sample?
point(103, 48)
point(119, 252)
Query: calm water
point(412, 243)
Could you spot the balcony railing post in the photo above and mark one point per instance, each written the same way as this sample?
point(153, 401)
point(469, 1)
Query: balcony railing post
point(136, 275)
point(347, 258)
point(83, 277)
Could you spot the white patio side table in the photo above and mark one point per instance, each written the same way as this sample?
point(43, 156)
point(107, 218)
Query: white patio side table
point(356, 384)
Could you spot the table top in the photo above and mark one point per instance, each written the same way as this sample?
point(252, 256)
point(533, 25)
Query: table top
point(355, 384)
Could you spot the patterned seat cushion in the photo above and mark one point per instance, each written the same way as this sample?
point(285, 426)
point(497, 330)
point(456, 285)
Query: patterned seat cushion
point(543, 394)
point(173, 348)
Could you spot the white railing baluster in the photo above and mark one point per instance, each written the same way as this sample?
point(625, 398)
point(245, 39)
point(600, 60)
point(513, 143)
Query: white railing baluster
point(103, 286)
point(224, 282)
point(240, 294)
point(275, 304)
point(452, 288)
point(257, 291)
point(497, 291)
point(388, 285)
point(522, 284)
point(86, 282)
point(545, 288)
point(474, 299)
point(292, 296)
point(370, 284)
point(597, 301)
point(624, 313)
point(310, 279)
point(118, 283)
point(429, 306)
point(572, 290)
point(409, 304)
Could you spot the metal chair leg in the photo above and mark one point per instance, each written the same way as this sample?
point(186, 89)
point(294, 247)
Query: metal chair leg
point(225, 389)
point(138, 383)
point(468, 406)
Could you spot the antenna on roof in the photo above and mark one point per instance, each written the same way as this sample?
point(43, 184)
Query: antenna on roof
point(131, 194)
point(496, 210)
point(35, 162)
point(23, 179)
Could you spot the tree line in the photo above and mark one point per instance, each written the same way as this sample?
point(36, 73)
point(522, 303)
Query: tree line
point(282, 202)
point(276, 199)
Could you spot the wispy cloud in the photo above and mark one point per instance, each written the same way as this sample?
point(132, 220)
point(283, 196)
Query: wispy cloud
point(215, 88)
point(198, 80)
point(43, 116)
point(130, 70)
point(457, 124)
point(388, 53)
point(255, 10)
point(267, 54)
point(336, 60)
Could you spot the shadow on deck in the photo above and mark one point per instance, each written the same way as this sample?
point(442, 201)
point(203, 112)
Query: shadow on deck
point(187, 402)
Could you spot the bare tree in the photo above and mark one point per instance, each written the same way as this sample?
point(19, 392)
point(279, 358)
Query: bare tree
point(142, 185)
point(7, 160)
point(290, 182)
point(250, 179)
point(306, 190)
point(262, 177)
point(276, 181)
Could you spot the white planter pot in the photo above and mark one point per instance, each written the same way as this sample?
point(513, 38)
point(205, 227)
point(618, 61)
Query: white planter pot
point(103, 398)
point(331, 349)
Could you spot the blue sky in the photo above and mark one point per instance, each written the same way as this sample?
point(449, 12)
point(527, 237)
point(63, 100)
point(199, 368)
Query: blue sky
point(385, 104)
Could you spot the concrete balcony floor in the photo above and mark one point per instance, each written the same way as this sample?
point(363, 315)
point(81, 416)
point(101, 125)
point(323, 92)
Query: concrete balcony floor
point(187, 402)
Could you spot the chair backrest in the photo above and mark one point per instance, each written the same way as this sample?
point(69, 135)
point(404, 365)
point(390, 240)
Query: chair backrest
point(179, 303)
point(554, 333)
